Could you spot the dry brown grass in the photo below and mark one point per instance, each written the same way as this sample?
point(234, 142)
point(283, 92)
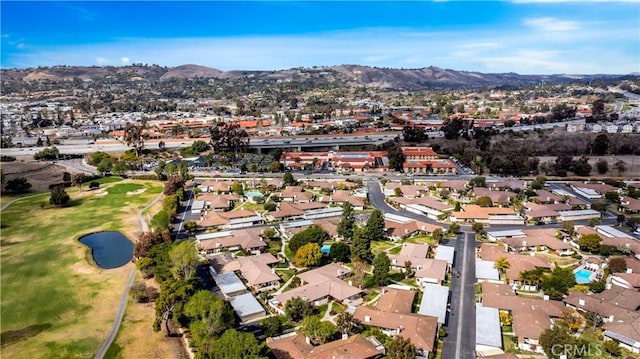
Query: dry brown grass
point(136, 339)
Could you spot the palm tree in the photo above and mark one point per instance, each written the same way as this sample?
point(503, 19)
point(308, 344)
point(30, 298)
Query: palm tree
point(531, 277)
point(502, 264)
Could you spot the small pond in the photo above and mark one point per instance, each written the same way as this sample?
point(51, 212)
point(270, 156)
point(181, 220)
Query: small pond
point(109, 249)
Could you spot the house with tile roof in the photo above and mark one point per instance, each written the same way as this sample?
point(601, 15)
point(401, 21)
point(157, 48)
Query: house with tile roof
point(393, 316)
point(320, 285)
point(297, 346)
point(530, 316)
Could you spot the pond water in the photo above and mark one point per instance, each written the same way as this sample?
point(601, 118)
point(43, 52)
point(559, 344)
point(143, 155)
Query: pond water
point(109, 249)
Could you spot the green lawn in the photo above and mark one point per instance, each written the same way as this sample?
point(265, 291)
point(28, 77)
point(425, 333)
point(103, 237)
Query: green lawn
point(421, 238)
point(510, 343)
point(54, 302)
point(379, 246)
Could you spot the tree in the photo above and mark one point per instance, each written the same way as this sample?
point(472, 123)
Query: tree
point(617, 265)
point(59, 196)
point(18, 185)
point(275, 166)
point(308, 255)
point(270, 206)
point(620, 219)
point(569, 226)
point(312, 234)
point(438, 235)
point(375, 230)
point(556, 284)
point(408, 272)
point(133, 136)
point(590, 242)
point(297, 308)
point(316, 329)
point(554, 341)
point(531, 277)
point(49, 153)
point(340, 252)
point(401, 348)
point(478, 182)
point(600, 145)
point(453, 228)
point(184, 258)
point(612, 197)
point(345, 227)
point(360, 245)
point(381, 266)
point(602, 166)
point(344, 322)
point(228, 137)
point(484, 201)
point(215, 313)
point(233, 344)
point(359, 272)
point(477, 227)
point(288, 179)
point(502, 264)
point(620, 166)
point(78, 179)
point(237, 188)
point(414, 134)
point(272, 326)
point(612, 347)
point(597, 286)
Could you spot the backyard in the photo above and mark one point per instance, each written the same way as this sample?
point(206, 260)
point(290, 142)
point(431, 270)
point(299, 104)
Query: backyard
point(55, 301)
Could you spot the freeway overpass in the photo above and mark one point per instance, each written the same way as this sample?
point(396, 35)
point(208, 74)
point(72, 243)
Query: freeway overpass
point(82, 146)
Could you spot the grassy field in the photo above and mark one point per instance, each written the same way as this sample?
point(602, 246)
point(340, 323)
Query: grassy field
point(55, 301)
point(136, 339)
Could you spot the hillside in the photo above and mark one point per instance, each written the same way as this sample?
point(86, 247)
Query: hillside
point(355, 75)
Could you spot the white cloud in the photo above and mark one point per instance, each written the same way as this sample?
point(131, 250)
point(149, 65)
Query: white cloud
point(550, 24)
point(595, 49)
point(124, 60)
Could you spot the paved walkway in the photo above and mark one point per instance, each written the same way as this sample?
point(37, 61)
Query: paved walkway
point(125, 294)
point(19, 199)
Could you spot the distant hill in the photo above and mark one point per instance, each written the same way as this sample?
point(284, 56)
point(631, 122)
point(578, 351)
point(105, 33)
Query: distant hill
point(355, 75)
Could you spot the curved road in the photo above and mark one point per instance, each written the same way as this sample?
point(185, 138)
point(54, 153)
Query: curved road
point(125, 294)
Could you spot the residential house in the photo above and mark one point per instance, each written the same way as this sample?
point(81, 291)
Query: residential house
point(426, 270)
point(393, 316)
point(250, 240)
point(321, 285)
point(618, 309)
point(518, 263)
point(530, 316)
point(487, 215)
point(297, 346)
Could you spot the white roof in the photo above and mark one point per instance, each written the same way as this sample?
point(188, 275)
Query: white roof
point(423, 209)
point(486, 270)
point(396, 218)
point(246, 305)
point(506, 234)
point(434, 301)
point(445, 253)
point(197, 205)
point(296, 224)
point(561, 192)
point(580, 212)
point(200, 237)
point(505, 216)
point(612, 232)
point(229, 282)
point(488, 326)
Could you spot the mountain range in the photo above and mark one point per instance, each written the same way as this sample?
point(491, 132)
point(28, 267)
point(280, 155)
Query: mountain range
point(354, 75)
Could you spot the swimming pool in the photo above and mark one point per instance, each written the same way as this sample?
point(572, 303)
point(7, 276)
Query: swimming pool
point(583, 276)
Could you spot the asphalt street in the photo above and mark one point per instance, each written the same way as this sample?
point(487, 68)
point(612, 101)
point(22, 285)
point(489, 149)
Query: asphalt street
point(461, 323)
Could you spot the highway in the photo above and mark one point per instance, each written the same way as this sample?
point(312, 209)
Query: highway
point(82, 146)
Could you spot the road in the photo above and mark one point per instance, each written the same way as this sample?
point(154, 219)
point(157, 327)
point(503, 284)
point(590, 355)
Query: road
point(461, 325)
point(125, 294)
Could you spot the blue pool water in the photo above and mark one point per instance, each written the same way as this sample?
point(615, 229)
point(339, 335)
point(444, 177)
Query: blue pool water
point(326, 249)
point(109, 249)
point(583, 276)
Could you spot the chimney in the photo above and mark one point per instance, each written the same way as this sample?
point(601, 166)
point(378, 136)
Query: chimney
point(546, 297)
point(629, 270)
point(367, 319)
point(307, 339)
point(345, 336)
point(581, 302)
point(524, 243)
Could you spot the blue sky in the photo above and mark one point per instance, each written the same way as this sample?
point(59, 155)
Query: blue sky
point(524, 36)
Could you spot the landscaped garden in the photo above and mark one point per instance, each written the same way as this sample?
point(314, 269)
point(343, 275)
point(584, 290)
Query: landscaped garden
point(55, 301)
